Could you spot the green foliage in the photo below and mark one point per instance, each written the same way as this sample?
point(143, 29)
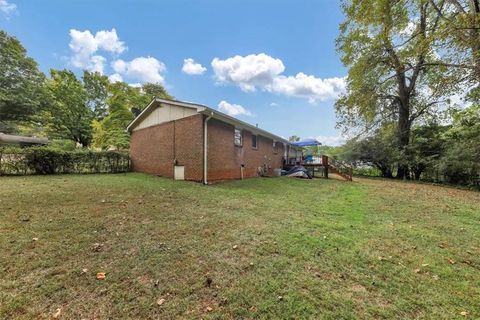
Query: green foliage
point(155, 90)
point(377, 150)
point(96, 88)
point(338, 152)
point(48, 160)
point(294, 138)
point(110, 132)
point(393, 74)
point(426, 148)
point(62, 144)
point(458, 42)
point(69, 116)
point(63, 107)
point(439, 153)
point(21, 85)
point(461, 163)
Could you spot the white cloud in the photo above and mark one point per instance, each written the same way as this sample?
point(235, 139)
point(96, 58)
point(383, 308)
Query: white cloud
point(307, 86)
point(332, 141)
point(249, 72)
point(263, 72)
point(193, 68)
point(109, 41)
point(233, 109)
point(115, 78)
point(84, 45)
point(7, 8)
point(145, 69)
point(119, 66)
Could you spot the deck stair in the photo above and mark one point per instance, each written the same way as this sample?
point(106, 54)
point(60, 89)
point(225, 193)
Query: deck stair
point(340, 168)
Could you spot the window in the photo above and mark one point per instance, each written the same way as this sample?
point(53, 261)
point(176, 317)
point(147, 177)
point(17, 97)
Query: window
point(238, 137)
point(275, 147)
point(254, 141)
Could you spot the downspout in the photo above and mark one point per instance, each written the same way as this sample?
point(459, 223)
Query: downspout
point(205, 148)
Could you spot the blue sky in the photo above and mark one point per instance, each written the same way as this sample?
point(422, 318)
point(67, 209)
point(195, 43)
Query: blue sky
point(271, 62)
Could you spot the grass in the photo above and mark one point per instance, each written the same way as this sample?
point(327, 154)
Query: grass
point(272, 249)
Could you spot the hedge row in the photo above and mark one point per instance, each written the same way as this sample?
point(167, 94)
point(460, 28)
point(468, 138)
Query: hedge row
point(43, 160)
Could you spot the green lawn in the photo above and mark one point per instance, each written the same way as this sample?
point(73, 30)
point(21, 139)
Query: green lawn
point(260, 248)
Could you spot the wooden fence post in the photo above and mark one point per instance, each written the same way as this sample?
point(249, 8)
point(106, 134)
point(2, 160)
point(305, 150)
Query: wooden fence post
point(325, 165)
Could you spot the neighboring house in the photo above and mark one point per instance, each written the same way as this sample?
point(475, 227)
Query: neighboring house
point(8, 139)
point(189, 141)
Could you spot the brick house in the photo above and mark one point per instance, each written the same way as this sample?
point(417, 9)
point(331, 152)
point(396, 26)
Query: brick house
point(189, 141)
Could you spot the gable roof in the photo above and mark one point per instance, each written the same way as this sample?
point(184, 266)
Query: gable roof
point(156, 102)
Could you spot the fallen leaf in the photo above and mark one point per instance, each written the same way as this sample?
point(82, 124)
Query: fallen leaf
point(101, 276)
point(160, 301)
point(464, 313)
point(417, 270)
point(235, 247)
point(451, 261)
point(442, 245)
point(209, 309)
point(382, 258)
point(34, 239)
point(435, 277)
point(57, 313)
point(280, 298)
point(84, 270)
point(425, 265)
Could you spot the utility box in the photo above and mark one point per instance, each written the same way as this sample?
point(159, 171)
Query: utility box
point(179, 173)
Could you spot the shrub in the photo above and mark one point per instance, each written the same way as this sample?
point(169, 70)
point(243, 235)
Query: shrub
point(45, 160)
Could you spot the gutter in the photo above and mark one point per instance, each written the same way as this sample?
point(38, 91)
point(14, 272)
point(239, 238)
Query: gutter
point(205, 148)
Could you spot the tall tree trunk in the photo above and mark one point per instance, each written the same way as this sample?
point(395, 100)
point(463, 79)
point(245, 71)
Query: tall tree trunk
point(403, 135)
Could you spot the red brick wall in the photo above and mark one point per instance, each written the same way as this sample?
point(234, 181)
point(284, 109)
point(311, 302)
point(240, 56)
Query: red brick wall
point(154, 149)
point(225, 159)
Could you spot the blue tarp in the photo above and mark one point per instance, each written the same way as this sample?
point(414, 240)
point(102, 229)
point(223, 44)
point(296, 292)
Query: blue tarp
point(307, 143)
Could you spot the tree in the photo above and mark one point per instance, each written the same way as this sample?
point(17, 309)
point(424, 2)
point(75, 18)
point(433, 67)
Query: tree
point(459, 40)
point(387, 45)
point(294, 138)
point(69, 116)
point(110, 132)
point(375, 150)
point(21, 83)
point(426, 148)
point(155, 90)
point(461, 163)
point(96, 88)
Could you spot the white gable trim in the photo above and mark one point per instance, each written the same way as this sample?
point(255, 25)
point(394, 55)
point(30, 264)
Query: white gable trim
point(153, 105)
